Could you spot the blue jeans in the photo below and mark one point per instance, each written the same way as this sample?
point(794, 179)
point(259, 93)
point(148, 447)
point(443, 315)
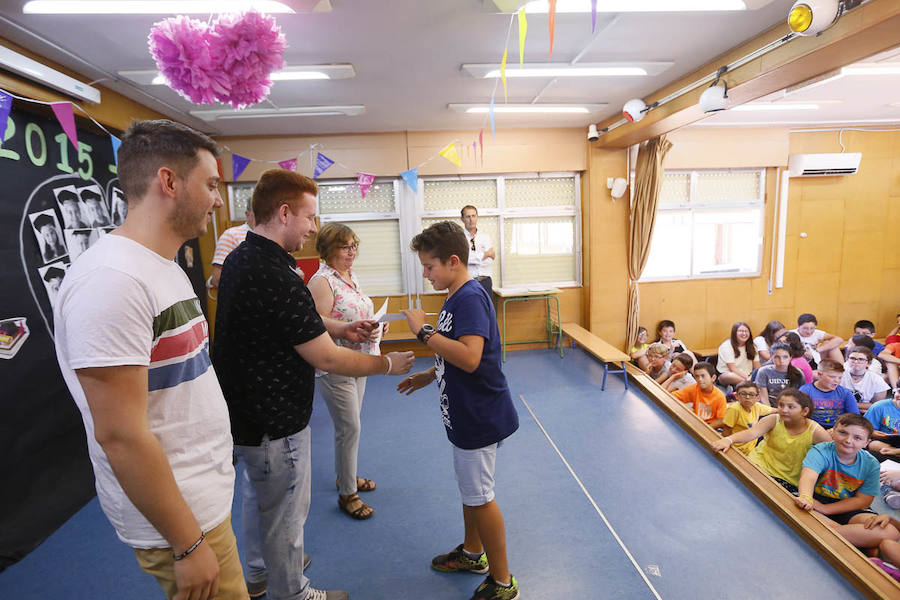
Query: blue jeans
point(275, 507)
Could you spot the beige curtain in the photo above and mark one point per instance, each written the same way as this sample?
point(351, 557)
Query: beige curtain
point(647, 183)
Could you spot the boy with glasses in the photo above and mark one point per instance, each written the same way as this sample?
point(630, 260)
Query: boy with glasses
point(867, 387)
point(744, 413)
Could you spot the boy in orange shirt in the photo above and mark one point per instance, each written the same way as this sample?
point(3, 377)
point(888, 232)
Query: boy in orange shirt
point(708, 401)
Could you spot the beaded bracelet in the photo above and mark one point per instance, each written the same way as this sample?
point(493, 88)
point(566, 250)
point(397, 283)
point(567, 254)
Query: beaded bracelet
point(807, 497)
point(184, 554)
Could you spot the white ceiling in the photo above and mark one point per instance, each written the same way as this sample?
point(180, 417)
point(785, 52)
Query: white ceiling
point(407, 56)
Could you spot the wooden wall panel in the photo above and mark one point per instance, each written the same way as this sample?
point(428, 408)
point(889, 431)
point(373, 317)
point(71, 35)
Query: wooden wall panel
point(735, 148)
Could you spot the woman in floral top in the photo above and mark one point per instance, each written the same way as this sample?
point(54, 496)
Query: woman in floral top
point(337, 294)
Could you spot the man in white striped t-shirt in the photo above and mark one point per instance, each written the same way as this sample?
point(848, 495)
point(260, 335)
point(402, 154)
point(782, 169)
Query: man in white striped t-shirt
point(230, 239)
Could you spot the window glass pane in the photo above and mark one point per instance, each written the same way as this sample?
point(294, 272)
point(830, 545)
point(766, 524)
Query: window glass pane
point(538, 192)
point(486, 225)
point(676, 188)
point(538, 250)
point(346, 198)
point(724, 186)
point(670, 246)
point(239, 195)
point(378, 264)
point(454, 194)
point(726, 241)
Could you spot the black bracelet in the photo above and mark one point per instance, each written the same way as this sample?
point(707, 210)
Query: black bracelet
point(184, 554)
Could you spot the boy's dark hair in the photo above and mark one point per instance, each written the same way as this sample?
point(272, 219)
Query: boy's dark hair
point(749, 347)
point(442, 240)
point(149, 145)
point(769, 331)
point(277, 187)
point(795, 375)
point(864, 341)
point(744, 385)
point(706, 367)
point(662, 324)
point(806, 318)
point(685, 359)
point(864, 324)
point(855, 419)
point(462, 211)
point(826, 364)
point(861, 350)
point(43, 220)
point(801, 397)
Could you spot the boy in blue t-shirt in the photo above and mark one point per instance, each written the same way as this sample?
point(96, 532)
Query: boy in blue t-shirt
point(839, 480)
point(476, 405)
point(830, 398)
point(884, 416)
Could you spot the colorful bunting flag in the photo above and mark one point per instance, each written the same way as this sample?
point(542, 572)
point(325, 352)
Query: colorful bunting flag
point(5, 107)
point(289, 164)
point(116, 142)
point(551, 23)
point(411, 178)
point(593, 16)
point(450, 153)
point(238, 164)
point(220, 170)
point(503, 75)
point(365, 182)
point(491, 115)
point(322, 163)
point(63, 112)
point(523, 29)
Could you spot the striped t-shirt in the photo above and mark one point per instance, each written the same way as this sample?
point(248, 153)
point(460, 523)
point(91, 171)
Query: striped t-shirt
point(123, 304)
point(229, 240)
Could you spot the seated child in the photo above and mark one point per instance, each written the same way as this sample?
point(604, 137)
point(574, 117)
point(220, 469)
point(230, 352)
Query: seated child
point(797, 349)
point(890, 489)
point(888, 549)
point(788, 434)
point(866, 386)
point(867, 328)
point(708, 401)
point(658, 362)
point(840, 479)
point(830, 398)
point(781, 374)
point(680, 373)
point(884, 416)
point(665, 334)
point(766, 338)
point(639, 349)
point(890, 356)
point(743, 414)
point(737, 356)
point(817, 342)
point(864, 341)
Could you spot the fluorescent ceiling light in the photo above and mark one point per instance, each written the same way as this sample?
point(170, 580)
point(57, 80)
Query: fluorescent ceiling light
point(527, 108)
point(584, 6)
point(611, 69)
point(872, 69)
point(144, 7)
point(290, 73)
point(269, 113)
point(782, 106)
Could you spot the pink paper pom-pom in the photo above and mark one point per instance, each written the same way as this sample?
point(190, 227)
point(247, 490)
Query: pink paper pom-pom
point(180, 48)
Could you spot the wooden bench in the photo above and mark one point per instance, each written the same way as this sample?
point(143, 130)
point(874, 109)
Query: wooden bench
point(606, 352)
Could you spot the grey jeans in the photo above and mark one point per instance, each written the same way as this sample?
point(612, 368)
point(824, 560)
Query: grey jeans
point(344, 396)
point(275, 507)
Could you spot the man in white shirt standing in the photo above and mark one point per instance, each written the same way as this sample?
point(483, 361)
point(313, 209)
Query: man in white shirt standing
point(481, 249)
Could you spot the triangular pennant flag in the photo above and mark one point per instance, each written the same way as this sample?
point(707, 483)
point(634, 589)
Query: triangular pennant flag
point(551, 23)
point(238, 164)
point(289, 164)
point(523, 29)
point(219, 169)
point(481, 144)
point(450, 153)
point(503, 75)
point(365, 182)
point(322, 163)
point(593, 16)
point(116, 142)
point(63, 112)
point(411, 178)
point(5, 107)
point(491, 115)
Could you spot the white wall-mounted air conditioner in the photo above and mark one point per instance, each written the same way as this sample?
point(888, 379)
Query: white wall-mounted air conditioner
point(822, 165)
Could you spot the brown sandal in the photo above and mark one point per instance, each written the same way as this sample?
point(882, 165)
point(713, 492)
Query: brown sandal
point(362, 484)
point(362, 511)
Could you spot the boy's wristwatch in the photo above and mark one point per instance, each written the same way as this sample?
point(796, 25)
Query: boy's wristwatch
point(425, 333)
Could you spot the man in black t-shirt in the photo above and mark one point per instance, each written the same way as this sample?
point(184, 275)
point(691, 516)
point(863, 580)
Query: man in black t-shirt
point(269, 339)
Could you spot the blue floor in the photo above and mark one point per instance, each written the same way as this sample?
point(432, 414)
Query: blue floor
point(693, 530)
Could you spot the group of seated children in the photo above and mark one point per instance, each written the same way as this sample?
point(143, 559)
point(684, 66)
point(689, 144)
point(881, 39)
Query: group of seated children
point(814, 438)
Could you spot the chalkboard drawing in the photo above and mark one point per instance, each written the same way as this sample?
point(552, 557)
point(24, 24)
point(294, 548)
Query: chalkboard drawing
point(119, 207)
point(49, 235)
point(13, 333)
point(71, 207)
point(93, 207)
point(53, 275)
point(79, 240)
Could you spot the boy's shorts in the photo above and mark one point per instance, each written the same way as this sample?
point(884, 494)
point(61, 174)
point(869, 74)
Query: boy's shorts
point(475, 474)
point(842, 518)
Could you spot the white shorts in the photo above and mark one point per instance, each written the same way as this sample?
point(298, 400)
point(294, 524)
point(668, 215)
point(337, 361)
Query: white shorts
point(475, 474)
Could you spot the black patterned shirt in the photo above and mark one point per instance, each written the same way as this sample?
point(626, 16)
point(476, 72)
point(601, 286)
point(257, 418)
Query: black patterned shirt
point(264, 309)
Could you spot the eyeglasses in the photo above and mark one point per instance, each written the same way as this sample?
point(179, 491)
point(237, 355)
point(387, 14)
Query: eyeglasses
point(473, 243)
point(748, 394)
point(858, 359)
point(349, 248)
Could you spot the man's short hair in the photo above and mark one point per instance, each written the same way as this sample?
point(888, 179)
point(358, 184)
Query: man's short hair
point(826, 364)
point(685, 359)
point(43, 220)
point(53, 273)
point(442, 240)
point(332, 235)
point(807, 318)
point(862, 350)
point(705, 366)
point(280, 186)
point(148, 146)
point(863, 340)
point(864, 324)
point(462, 212)
point(855, 419)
